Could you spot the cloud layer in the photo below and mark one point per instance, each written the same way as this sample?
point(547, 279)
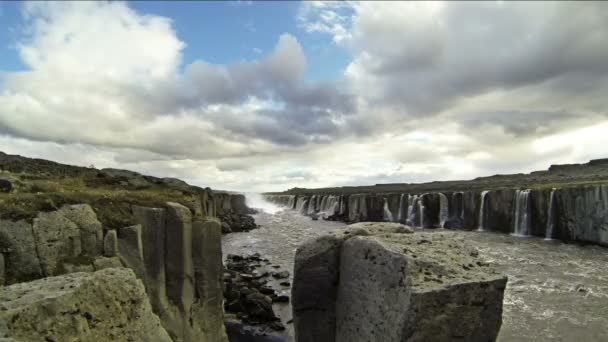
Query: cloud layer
point(434, 91)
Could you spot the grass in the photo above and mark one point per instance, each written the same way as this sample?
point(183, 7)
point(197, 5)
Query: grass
point(110, 197)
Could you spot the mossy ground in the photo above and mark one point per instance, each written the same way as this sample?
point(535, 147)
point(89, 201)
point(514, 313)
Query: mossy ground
point(110, 197)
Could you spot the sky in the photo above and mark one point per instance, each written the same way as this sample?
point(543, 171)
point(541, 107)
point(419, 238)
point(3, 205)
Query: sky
point(266, 96)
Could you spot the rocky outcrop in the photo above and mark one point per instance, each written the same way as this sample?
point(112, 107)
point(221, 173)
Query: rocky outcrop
point(5, 185)
point(182, 271)
point(232, 210)
point(361, 283)
point(175, 253)
point(109, 305)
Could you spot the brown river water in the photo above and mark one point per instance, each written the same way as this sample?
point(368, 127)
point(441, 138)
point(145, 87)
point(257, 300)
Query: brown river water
point(555, 292)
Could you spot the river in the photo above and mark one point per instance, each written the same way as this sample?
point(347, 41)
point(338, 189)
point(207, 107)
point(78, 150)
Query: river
point(555, 292)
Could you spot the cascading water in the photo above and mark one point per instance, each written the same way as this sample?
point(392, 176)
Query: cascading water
point(521, 216)
point(550, 217)
point(443, 210)
point(312, 205)
point(387, 215)
point(421, 211)
point(411, 200)
point(481, 212)
point(400, 213)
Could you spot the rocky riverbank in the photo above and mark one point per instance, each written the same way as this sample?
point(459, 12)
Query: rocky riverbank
point(249, 292)
point(567, 202)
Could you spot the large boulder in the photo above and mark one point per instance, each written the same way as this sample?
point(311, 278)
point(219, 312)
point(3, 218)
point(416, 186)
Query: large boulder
point(108, 305)
point(361, 283)
point(316, 279)
point(57, 238)
point(91, 232)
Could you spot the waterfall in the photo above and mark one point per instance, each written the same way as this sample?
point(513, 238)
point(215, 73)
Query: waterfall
point(521, 217)
point(481, 206)
point(462, 208)
point(411, 200)
point(387, 215)
point(400, 213)
point(421, 211)
point(550, 217)
point(312, 205)
point(443, 210)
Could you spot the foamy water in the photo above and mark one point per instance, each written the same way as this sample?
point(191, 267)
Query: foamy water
point(556, 291)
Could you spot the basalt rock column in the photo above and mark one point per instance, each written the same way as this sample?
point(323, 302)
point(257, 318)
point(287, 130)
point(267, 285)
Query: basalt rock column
point(374, 277)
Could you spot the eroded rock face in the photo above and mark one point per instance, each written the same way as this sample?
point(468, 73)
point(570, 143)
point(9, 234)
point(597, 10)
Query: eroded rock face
point(109, 305)
point(361, 283)
point(316, 280)
point(182, 271)
point(18, 246)
point(56, 238)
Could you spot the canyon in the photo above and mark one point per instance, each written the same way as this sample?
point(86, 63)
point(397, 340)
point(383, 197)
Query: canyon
point(91, 251)
point(566, 202)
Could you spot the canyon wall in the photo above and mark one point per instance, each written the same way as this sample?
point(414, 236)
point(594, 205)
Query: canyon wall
point(569, 213)
point(174, 252)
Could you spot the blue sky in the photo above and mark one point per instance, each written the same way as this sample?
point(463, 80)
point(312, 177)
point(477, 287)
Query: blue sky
point(266, 96)
point(214, 31)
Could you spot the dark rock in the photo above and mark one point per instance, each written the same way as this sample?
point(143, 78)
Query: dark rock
point(280, 275)
point(281, 299)
point(5, 185)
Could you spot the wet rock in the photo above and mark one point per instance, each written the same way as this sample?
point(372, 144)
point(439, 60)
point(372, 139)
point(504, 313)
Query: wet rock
point(280, 275)
point(281, 299)
point(247, 294)
point(109, 305)
point(236, 222)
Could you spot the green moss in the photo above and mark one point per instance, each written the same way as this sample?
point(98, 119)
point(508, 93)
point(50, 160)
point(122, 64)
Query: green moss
point(109, 198)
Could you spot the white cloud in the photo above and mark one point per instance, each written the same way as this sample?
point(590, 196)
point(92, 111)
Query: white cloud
point(434, 91)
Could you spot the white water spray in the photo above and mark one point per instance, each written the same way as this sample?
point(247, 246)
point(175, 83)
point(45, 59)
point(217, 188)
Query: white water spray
point(521, 217)
point(443, 210)
point(481, 206)
point(400, 213)
point(550, 217)
point(257, 201)
point(387, 215)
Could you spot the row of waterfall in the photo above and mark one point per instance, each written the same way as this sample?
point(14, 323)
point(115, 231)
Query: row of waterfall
point(575, 213)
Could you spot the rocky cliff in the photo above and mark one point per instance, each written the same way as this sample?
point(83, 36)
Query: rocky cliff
point(57, 219)
point(382, 282)
point(568, 203)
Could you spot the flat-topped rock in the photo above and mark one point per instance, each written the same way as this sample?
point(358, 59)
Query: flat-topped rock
point(435, 287)
point(108, 305)
point(369, 283)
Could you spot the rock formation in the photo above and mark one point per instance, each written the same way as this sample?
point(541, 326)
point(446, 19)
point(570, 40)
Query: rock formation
point(543, 204)
point(108, 305)
point(380, 282)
